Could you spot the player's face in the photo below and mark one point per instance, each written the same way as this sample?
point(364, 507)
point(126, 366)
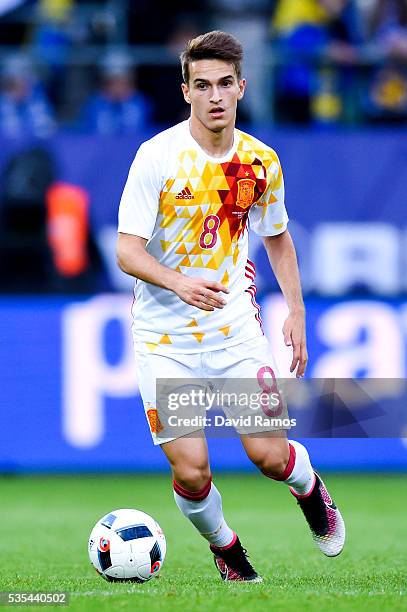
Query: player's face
point(213, 91)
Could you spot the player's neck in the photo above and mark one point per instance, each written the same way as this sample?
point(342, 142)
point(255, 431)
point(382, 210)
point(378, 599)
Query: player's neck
point(215, 144)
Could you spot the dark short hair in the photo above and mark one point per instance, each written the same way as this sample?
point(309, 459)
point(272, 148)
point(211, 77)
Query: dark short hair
point(212, 45)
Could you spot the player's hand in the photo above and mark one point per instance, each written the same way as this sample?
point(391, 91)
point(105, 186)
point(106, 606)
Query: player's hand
point(199, 292)
point(294, 335)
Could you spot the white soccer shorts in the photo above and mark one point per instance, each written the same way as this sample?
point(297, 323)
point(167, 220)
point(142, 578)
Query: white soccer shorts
point(249, 371)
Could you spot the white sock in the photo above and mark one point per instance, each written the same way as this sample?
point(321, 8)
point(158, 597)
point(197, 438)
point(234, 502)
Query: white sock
point(204, 509)
point(301, 478)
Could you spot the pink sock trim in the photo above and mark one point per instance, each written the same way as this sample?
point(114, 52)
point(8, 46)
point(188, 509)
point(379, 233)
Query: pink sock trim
point(289, 467)
point(227, 545)
point(196, 496)
point(298, 496)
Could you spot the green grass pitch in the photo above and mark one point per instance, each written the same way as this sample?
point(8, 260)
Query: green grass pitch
point(45, 523)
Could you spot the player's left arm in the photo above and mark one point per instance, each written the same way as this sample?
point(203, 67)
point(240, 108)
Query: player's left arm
point(283, 260)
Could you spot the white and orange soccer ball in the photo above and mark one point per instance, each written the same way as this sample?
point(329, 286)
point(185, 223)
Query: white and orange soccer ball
point(127, 545)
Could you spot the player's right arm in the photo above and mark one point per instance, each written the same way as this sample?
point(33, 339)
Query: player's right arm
point(133, 259)
point(137, 219)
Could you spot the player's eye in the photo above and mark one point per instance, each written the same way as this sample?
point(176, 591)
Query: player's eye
point(201, 85)
point(227, 83)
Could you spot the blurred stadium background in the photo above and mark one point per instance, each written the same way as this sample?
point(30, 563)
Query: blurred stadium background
point(82, 85)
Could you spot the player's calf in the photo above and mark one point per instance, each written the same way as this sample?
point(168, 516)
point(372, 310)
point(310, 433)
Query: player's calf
point(203, 508)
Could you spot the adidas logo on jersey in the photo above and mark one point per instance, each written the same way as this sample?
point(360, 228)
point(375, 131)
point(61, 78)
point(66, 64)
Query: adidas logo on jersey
point(185, 194)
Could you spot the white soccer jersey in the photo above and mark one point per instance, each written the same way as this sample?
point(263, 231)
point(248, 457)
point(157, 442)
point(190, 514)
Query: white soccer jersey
point(195, 211)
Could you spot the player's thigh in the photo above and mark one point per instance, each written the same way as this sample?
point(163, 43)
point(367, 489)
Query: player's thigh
point(267, 447)
point(257, 405)
point(189, 460)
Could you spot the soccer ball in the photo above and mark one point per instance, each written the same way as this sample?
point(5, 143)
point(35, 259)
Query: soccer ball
point(127, 545)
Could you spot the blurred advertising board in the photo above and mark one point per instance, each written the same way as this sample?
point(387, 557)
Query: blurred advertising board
point(70, 401)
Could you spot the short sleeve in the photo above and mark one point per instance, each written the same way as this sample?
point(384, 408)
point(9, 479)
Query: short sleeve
point(268, 216)
point(140, 199)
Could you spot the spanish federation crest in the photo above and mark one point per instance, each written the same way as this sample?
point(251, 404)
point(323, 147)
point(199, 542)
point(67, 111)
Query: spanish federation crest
point(245, 192)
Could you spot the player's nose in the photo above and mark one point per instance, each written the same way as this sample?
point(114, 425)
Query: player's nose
point(216, 96)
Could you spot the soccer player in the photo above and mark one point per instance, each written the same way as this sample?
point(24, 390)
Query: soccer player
point(191, 195)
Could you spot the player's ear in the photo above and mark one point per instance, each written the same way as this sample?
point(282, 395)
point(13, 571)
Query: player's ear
point(242, 87)
point(185, 91)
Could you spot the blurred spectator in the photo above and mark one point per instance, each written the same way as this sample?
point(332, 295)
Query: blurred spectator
point(25, 258)
point(308, 32)
point(53, 34)
point(24, 107)
point(155, 21)
point(118, 108)
point(388, 28)
point(78, 266)
point(169, 78)
point(386, 98)
point(46, 243)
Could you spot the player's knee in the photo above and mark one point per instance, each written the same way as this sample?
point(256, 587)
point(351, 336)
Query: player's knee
point(271, 463)
point(193, 477)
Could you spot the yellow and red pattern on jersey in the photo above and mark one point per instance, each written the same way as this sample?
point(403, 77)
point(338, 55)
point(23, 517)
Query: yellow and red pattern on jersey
point(205, 229)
